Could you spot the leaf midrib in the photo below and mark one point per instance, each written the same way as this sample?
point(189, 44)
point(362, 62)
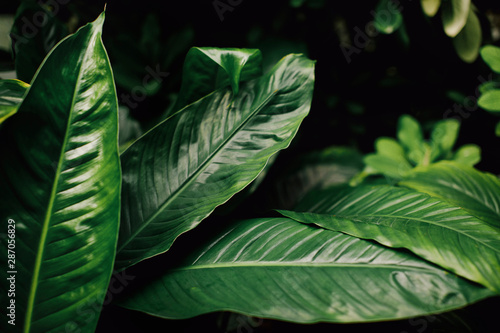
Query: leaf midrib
point(198, 171)
point(261, 264)
point(50, 208)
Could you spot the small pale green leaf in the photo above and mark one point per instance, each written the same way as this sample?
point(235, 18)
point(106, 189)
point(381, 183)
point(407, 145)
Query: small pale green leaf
point(387, 17)
point(60, 180)
point(443, 138)
point(491, 56)
point(401, 218)
point(207, 69)
point(387, 165)
point(281, 269)
point(411, 138)
point(11, 96)
point(475, 191)
point(180, 171)
point(454, 15)
point(430, 7)
point(490, 100)
point(468, 154)
point(468, 41)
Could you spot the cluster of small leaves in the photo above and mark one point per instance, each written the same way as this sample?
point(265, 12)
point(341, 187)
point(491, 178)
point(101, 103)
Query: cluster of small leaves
point(397, 158)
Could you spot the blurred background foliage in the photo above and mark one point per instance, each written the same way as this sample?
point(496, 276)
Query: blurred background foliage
point(376, 61)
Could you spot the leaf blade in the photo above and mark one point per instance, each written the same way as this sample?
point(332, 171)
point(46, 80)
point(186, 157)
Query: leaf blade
point(278, 268)
point(206, 161)
point(62, 183)
point(398, 217)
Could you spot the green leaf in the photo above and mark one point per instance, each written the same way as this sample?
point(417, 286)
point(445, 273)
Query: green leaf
point(387, 166)
point(11, 96)
point(430, 7)
point(475, 191)
point(468, 154)
point(401, 218)
point(387, 17)
point(468, 41)
point(278, 268)
point(35, 32)
point(497, 129)
point(487, 86)
point(490, 100)
point(491, 56)
point(61, 185)
point(443, 138)
point(206, 69)
point(454, 15)
point(411, 137)
point(179, 172)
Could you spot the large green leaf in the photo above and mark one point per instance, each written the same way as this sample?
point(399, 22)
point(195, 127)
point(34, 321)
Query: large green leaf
point(278, 268)
point(397, 217)
point(176, 174)
point(454, 15)
point(207, 69)
point(11, 96)
point(60, 180)
point(475, 191)
point(35, 31)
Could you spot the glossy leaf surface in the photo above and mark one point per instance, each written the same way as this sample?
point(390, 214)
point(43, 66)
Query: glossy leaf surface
point(11, 96)
point(278, 268)
point(175, 175)
point(475, 191)
point(60, 180)
point(207, 69)
point(396, 217)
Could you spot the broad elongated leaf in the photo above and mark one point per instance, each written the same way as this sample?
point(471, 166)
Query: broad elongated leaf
point(463, 186)
point(282, 269)
point(206, 69)
point(454, 15)
point(60, 180)
point(177, 174)
point(437, 231)
point(35, 31)
point(11, 96)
